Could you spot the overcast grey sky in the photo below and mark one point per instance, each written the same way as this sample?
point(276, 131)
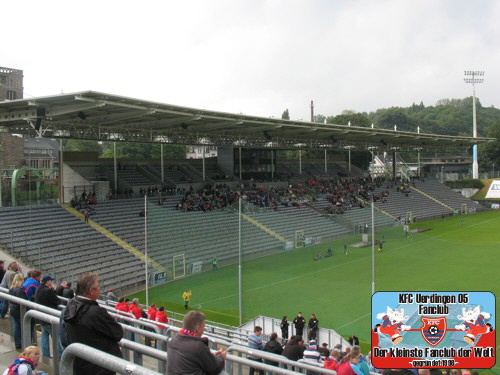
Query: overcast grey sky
point(257, 57)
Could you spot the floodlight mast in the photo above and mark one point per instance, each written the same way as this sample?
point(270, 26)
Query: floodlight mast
point(471, 76)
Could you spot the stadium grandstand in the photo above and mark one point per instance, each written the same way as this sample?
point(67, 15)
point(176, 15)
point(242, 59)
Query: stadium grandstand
point(142, 222)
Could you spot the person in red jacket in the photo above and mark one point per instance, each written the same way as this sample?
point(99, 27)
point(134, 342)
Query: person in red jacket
point(161, 317)
point(134, 308)
point(332, 362)
point(122, 304)
point(152, 312)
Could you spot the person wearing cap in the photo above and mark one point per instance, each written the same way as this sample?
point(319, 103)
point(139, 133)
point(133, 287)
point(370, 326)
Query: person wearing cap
point(312, 355)
point(111, 296)
point(46, 295)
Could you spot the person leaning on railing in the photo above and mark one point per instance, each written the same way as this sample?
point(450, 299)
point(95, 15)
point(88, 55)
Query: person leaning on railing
point(188, 352)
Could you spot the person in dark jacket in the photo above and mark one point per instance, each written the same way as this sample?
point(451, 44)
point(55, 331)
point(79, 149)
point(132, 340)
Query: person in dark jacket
point(273, 346)
point(299, 323)
point(313, 327)
point(284, 328)
point(294, 349)
point(88, 323)
point(188, 352)
point(46, 295)
point(68, 292)
point(17, 290)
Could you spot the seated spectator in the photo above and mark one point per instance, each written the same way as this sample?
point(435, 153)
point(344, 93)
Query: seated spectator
point(323, 350)
point(332, 362)
point(26, 363)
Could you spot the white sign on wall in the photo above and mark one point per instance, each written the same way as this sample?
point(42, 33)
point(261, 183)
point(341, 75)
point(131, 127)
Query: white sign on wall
point(494, 191)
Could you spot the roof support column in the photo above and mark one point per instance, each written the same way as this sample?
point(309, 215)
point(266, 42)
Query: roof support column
point(240, 164)
point(349, 160)
point(394, 164)
point(115, 171)
point(272, 165)
point(300, 162)
point(326, 163)
point(161, 164)
point(61, 169)
point(203, 162)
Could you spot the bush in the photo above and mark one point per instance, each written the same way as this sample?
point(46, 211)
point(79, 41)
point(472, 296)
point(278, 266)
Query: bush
point(466, 183)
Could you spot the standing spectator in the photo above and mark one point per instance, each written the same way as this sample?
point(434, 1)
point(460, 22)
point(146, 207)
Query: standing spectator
point(111, 296)
point(32, 283)
point(255, 342)
point(6, 283)
point(134, 308)
point(299, 323)
point(353, 340)
point(186, 296)
point(273, 346)
point(312, 355)
point(152, 312)
point(284, 328)
point(188, 352)
point(88, 323)
point(122, 305)
point(2, 270)
point(17, 291)
point(161, 317)
point(46, 295)
point(313, 327)
point(61, 287)
point(294, 349)
point(68, 291)
point(214, 263)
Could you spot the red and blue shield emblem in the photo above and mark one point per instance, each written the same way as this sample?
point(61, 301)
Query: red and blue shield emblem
point(433, 329)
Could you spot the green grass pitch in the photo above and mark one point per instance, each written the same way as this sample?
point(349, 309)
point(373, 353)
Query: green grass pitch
point(447, 257)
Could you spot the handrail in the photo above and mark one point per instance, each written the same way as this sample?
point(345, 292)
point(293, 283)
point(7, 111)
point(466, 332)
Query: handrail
point(141, 350)
point(100, 358)
point(280, 359)
point(54, 323)
point(230, 359)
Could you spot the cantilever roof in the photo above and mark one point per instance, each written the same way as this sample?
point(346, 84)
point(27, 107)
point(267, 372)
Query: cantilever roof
point(104, 117)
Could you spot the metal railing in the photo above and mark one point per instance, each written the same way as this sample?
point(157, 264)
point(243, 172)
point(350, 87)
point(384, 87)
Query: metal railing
point(282, 361)
point(54, 333)
point(101, 359)
point(139, 350)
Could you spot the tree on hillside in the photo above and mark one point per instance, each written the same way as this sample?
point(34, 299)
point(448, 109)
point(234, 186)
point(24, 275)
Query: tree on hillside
point(356, 119)
point(490, 153)
point(285, 115)
point(82, 145)
point(145, 151)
